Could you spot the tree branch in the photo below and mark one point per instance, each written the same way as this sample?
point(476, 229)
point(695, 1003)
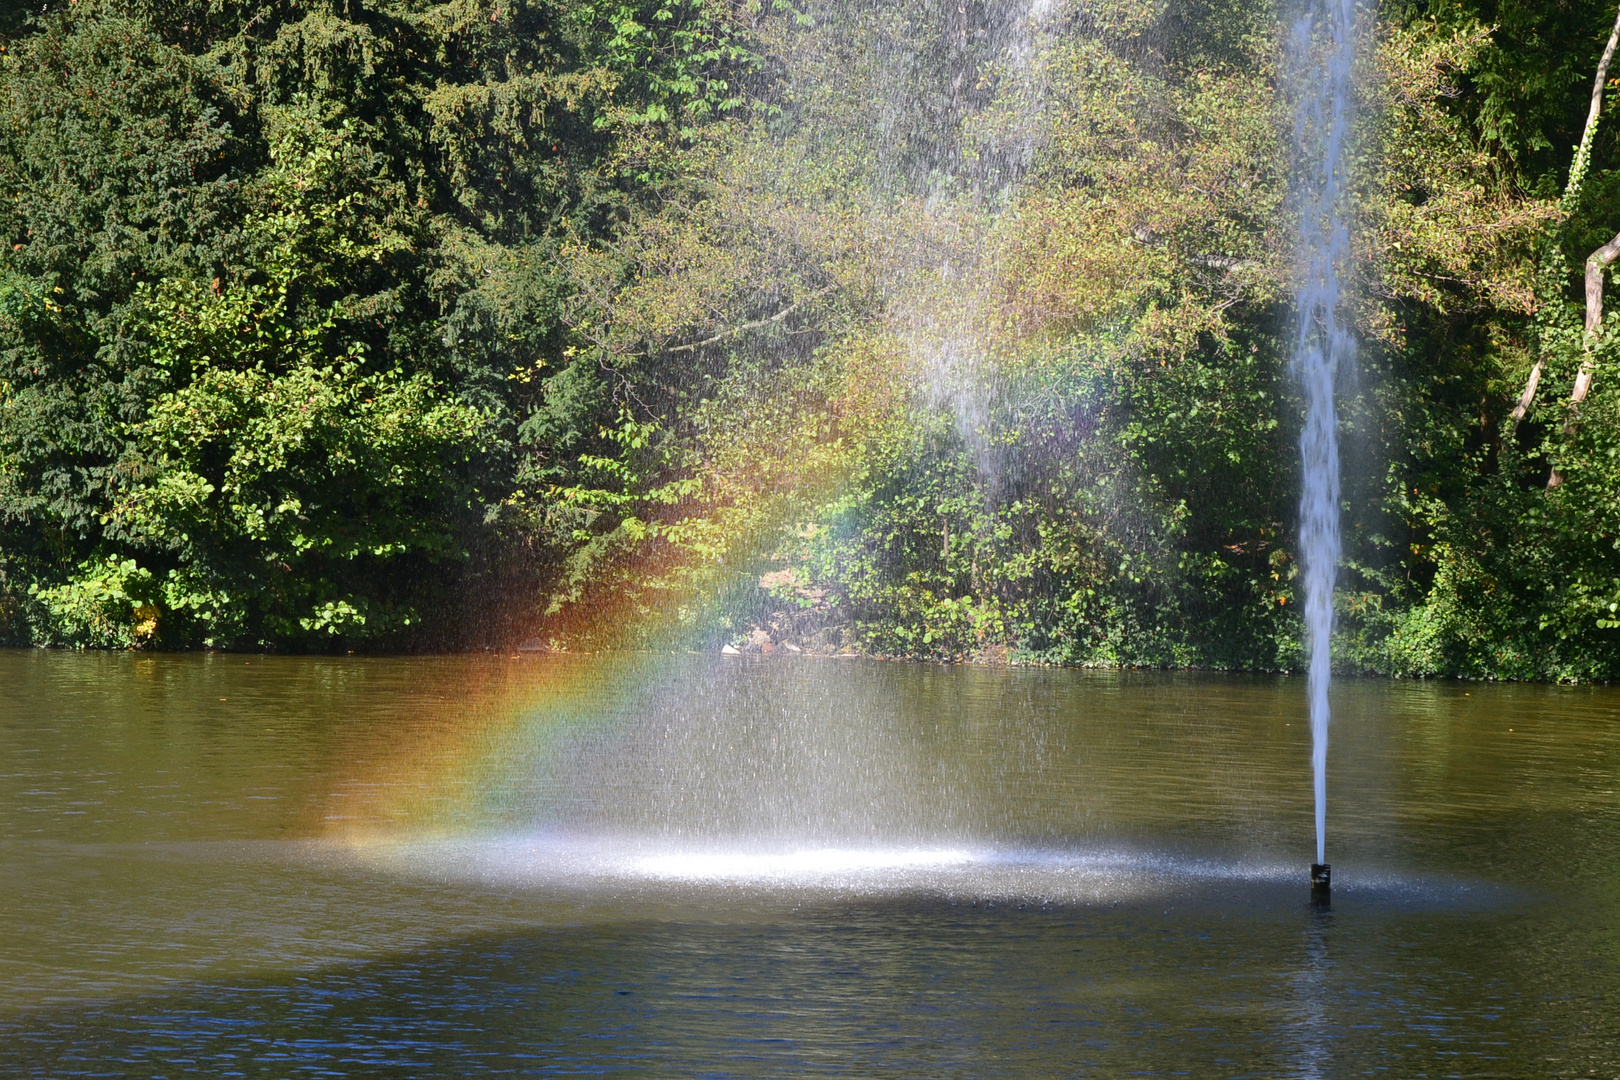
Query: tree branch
point(1583, 155)
point(1529, 395)
point(1596, 264)
point(756, 324)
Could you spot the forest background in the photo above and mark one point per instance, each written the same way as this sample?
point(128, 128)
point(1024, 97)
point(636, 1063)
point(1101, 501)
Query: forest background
point(931, 328)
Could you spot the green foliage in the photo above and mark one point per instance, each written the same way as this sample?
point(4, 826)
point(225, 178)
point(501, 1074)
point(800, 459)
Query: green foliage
point(1506, 576)
point(1525, 93)
point(1059, 529)
point(106, 603)
point(405, 323)
point(282, 303)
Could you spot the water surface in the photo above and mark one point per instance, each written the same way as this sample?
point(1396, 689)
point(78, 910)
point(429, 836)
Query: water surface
point(266, 866)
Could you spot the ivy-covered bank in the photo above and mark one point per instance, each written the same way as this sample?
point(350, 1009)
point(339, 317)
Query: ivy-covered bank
point(921, 328)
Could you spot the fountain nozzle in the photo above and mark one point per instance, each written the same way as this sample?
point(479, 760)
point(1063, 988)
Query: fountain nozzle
point(1321, 882)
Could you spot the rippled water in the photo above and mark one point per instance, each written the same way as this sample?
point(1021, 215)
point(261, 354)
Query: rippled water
point(261, 866)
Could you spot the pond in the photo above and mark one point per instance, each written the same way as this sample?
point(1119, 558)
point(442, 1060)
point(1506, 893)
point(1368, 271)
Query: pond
point(227, 865)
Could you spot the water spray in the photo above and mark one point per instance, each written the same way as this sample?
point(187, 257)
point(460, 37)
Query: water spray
point(1323, 52)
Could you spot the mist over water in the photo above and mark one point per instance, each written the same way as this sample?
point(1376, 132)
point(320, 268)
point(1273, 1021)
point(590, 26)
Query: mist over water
point(1323, 52)
point(996, 65)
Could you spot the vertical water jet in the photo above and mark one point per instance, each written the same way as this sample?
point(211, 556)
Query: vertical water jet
point(1323, 51)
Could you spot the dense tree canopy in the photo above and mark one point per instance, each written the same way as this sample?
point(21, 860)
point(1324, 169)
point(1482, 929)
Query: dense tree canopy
point(931, 329)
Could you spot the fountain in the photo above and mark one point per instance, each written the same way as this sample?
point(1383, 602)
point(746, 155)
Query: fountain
point(1323, 51)
point(1321, 883)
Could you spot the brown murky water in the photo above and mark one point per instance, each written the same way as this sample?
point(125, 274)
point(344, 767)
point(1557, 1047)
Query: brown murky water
point(677, 866)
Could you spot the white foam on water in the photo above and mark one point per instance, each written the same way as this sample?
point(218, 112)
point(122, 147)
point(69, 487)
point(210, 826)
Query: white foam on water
point(945, 870)
point(795, 866)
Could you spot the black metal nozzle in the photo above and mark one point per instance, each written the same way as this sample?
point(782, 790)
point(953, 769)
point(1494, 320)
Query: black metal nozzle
point(1321, 882)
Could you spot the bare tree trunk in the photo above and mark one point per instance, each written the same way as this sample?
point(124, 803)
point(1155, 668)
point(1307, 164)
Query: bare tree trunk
point(756, 324)
point(1529, 394)
point(1596, 263)
point(1583, 154)
point(1577, 174)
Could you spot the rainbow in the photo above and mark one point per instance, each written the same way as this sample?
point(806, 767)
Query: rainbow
point(471, 759)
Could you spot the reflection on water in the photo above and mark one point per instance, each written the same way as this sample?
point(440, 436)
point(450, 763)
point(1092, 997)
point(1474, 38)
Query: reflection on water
point(1312, 986)
point(274, 866)
point(1073, 875)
